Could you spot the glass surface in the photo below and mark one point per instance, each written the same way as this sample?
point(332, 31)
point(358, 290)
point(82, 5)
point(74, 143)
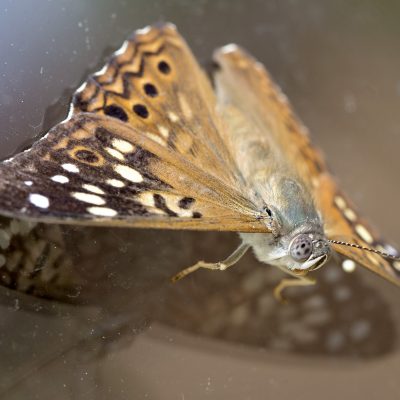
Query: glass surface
point(125, 332)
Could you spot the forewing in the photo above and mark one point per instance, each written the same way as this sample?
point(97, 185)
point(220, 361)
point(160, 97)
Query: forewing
point(95, 169)
point(243, 84)
point(154, 84)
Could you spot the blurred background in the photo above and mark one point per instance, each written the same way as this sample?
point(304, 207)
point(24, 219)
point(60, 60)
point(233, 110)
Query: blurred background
point(120, 330)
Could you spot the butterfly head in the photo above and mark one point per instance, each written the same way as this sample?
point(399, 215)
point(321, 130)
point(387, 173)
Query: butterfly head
point(308, 252)
point(300, 250)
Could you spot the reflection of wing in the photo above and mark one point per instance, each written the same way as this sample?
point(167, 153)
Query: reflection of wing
point(142, 147)
point(341, 316)
point(244, 86)
point(34, 260)
point(97, 170)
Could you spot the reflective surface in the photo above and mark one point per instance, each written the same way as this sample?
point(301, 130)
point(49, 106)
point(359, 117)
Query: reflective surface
point(123, 331)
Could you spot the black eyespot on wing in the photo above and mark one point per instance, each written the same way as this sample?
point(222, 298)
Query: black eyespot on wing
point(150, 90)
point(87, 155)
point(196, 214)
point(141, 110)
point(103, 135)
point(268, 211)
point(164, 67)
point(186, 202)
point(116, 112)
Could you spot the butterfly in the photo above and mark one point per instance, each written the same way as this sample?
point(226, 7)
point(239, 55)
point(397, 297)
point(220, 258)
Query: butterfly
point(150, 143)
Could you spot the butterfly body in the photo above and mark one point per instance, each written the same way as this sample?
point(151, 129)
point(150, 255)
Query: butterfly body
point(271, 180)
point(149, 143)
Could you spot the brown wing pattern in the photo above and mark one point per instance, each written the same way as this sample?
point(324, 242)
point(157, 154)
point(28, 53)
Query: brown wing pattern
point(249, 88)
point(95, 169)
point(154, 83)
point(141, 147)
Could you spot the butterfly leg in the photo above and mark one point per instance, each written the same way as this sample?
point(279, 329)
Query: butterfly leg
point(300, 280)
point(221, 266)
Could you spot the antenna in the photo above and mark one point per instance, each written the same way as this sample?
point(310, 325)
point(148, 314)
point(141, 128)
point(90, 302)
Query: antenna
point(357, 246)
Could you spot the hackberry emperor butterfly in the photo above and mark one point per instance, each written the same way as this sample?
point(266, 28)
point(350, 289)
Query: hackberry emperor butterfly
point(148, 144)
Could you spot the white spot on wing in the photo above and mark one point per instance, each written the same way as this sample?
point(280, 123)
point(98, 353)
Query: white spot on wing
point(60, 179)
point(173, 117)
point(82, 87)
point(187, 111)
point(143, 31)
point(348, 265)
point(156, 138)
point(101, 71)
point(339, 201)
point(122, 145)
point(115, 182)
point(39, 200)
point(89, 198)
point(281, 96)
point(70, 168)
point(129, 173)
point(67, 118)
point(115, 153)
point(28, 183)
point(102, 211)
point(350, 214)
point(93, 188)
point(122, 49)
point(364, 233)
point(147, 199)
point(163, 131)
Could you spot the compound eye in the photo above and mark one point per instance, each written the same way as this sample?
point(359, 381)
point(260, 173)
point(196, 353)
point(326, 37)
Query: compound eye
point(301, 248)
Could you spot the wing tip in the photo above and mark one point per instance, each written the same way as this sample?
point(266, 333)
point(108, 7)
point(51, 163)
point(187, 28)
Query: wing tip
point(157, 26)
point(229, 48)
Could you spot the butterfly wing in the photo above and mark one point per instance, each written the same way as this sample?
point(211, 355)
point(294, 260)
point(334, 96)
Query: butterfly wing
point(95, 169)
point(244, 85)
point(141, 147)
point(155, 84)
point(343, 223)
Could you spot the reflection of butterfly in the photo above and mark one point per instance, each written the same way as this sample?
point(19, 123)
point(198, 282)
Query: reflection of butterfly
point(341, 316)
point(148, 144)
